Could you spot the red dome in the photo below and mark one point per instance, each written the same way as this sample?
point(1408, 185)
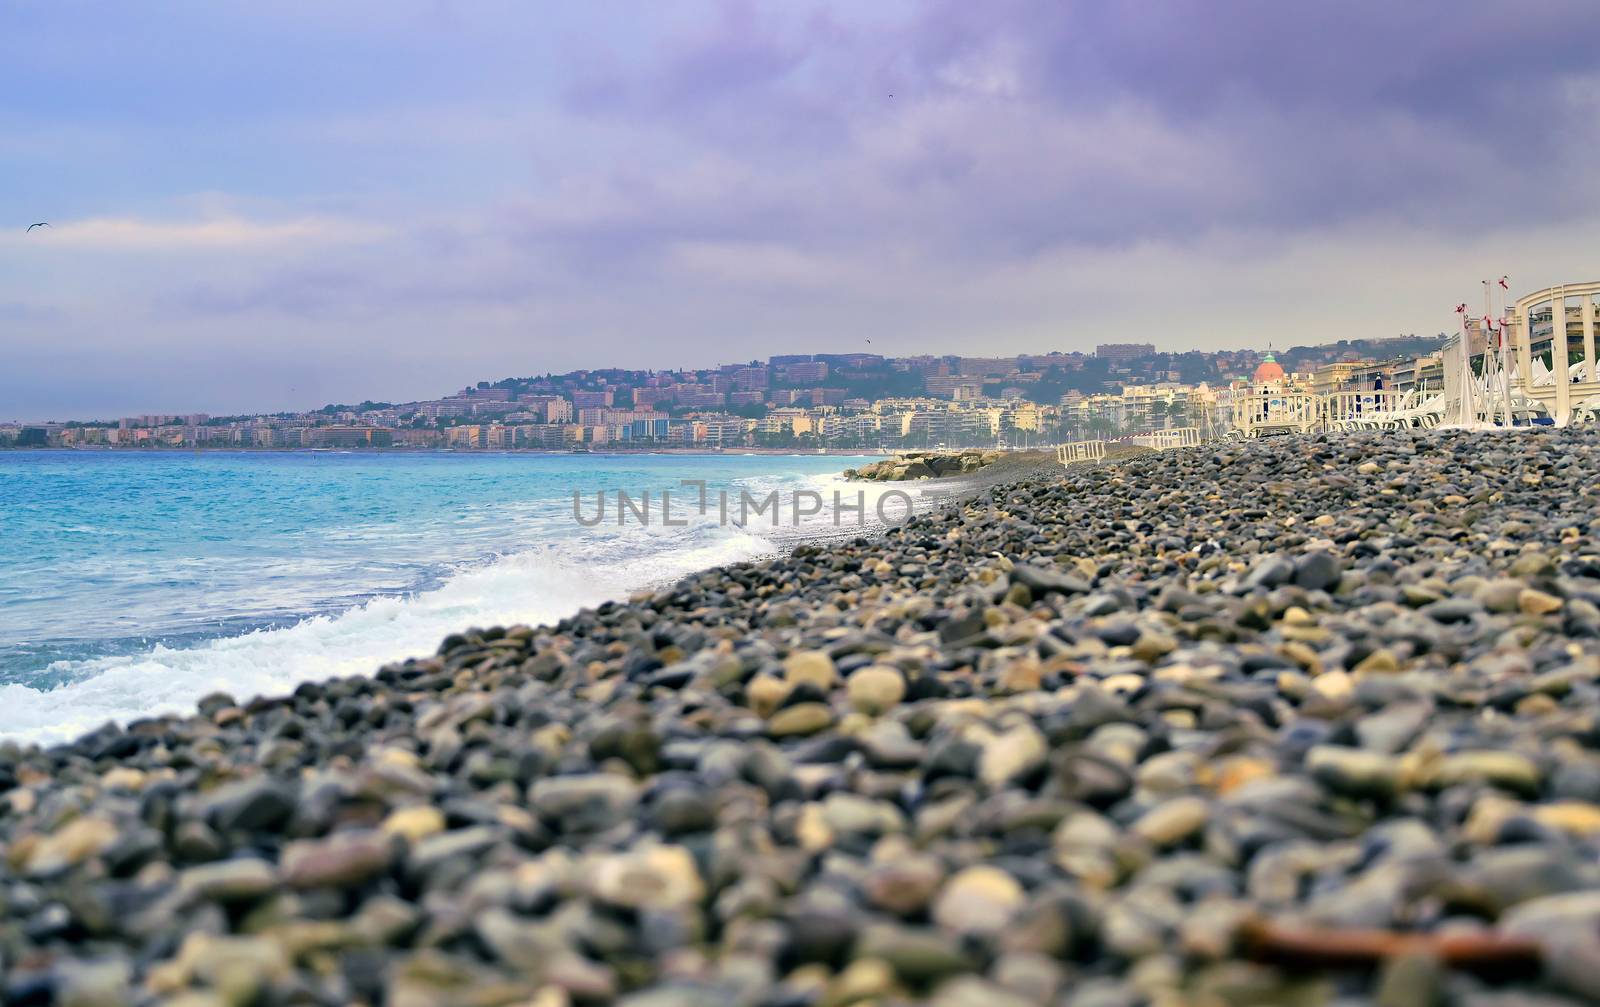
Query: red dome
point(1268, 370)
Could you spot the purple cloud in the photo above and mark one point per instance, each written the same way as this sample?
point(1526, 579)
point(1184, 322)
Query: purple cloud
point(610, 183)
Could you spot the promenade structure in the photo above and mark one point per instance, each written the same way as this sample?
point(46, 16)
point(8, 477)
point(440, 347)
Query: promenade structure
point(1533, 362)
point(1345, 395)
point(1536, 365)
point(1554, 335)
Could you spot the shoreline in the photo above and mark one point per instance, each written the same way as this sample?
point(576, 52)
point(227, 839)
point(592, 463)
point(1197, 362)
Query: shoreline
point(1143, 730)
point(275, 641)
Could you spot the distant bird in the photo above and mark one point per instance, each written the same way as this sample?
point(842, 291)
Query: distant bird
point(42, 223)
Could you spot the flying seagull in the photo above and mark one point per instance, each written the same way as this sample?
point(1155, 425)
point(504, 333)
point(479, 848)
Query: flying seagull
point(42, 223)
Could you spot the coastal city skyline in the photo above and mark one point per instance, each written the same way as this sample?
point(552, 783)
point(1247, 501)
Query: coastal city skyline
point(1196, 364)
point(838, 400)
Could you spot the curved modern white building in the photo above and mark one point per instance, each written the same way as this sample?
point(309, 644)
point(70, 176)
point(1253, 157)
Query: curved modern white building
point(1553, 338)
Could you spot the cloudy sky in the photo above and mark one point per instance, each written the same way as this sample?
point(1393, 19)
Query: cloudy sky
point(273, 205)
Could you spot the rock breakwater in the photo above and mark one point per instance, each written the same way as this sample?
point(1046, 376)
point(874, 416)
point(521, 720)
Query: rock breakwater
point(1307, 721)
point(926, 465)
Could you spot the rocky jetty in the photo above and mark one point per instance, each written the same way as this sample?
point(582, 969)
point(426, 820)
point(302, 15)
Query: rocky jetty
point(1301, 722)
point(926, 465)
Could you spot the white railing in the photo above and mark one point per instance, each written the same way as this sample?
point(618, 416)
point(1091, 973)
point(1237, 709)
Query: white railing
point(1269, 409)
point(1176, 437)
point(1080, 451)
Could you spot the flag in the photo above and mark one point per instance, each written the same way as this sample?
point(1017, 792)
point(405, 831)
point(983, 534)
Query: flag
point(1461, 308)
point(1503, 282)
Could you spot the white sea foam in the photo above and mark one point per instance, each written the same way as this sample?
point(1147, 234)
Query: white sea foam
point(882, 502)
point(537, 586)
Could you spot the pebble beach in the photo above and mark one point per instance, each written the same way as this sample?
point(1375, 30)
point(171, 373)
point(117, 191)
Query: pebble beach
point(1305, 721)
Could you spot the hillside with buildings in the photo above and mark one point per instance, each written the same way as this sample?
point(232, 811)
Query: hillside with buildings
point(837, 401)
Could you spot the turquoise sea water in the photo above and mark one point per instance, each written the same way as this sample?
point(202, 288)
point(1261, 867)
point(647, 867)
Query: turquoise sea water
point(134, 583)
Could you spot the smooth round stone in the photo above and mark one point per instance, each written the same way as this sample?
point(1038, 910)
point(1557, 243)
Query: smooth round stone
point(1237, 771)
point(1014, 754)
point(1532, 564)
point(70, 845)
point(888, 745)
point(1141, 922)
point(1172, 821)
point(812, 667)
point(1317, 571)
point(654, 877)
point(875, 689)
point(866, 979)
point(1508, 770)
point(1269, 573)
point(1168, 772)
point(1120, 743)
point(1499, 878)
point(1576, 818)
point(766, 693)
point(1500, 594)
point(918, 956)
point(1551, 914)
point(246, 965)
point(259, 803)
point(978, 899)
point(1380, 662)
point(99, 983)
point(684, 810)
point(195, 843)
point(1451, 611)
point(1334, 687)
point(1151, 646)
point(1355, 772)
point(586, 802)
point(904, 885)
point(344, 860)
point(124, 778)
point(1036, 977)
point(970, 991)
point(415, 822)
point(1532, 602)
point(800, 720)
point(1124, 684)
point(1577, 779)
point(231, 880)
point(853, 814)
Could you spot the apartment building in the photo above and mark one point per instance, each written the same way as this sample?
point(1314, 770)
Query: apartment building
point(804, 373)
point(955, 387)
